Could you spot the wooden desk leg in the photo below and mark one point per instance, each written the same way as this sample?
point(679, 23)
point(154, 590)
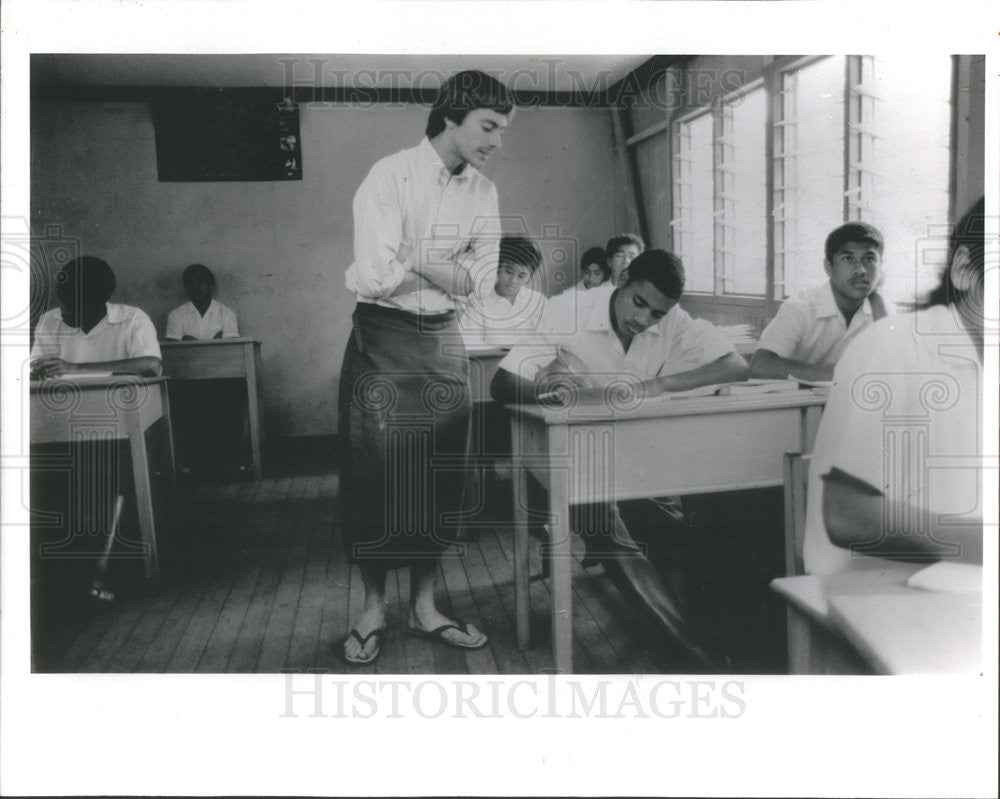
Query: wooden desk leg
point(143, 494)
point(253, 410)
point(171, 462)
point(522, 602)
point(560, 555)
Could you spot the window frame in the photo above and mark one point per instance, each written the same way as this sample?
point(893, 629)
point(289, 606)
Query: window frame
point(770, 78)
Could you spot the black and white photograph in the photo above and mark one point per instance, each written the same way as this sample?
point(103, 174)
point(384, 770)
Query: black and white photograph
point(354, 394)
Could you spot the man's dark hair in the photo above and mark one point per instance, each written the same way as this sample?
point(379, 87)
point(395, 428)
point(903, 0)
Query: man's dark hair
point(88, 278)
point(661, 268)
point(970, 232)
point(520, 251)
point(464, 92)
point(617, 242)
point(196, 272)
point(853, 231)
point(596, 255)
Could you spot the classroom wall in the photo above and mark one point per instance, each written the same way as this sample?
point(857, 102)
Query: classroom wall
point(280, 249)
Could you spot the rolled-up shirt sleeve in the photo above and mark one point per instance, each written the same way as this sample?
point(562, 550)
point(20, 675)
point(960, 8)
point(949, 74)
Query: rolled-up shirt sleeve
point(141, 339)
point(786, 330)
point(378, 233)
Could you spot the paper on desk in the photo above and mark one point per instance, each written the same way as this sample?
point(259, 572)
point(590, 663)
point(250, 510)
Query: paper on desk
point(701, 391)
point(949, 577)
point(758, 386)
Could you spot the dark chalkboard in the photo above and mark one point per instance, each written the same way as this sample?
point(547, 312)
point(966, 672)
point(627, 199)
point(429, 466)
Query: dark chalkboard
point(218, 134)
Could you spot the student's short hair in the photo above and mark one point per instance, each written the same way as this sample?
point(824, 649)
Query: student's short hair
point(520, 251)
point(661, 268)
point(596, 255)
point(196, 271)
point(853, 231)
point(617, 242)
point(88, 276)
point(464, 92)
point(970, 232)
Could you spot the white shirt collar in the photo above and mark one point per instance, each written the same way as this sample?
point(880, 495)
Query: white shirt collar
point(433, 160)
point(827, 305)
point(599, 317)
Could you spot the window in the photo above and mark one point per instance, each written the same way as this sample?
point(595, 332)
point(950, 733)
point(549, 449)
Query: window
point(741, 195)
point(809, 171)
point(759, 177)
point(693, 204)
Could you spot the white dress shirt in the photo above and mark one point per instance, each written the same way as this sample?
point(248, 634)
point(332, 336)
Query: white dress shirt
point(186, 321)
point(495, 321)
point(905, 417)
point(809, 327)
point(411, 209)
point(124, 332)
point(581, 324)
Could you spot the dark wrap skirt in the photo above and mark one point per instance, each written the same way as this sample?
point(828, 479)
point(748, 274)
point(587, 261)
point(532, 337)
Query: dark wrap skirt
point(404, 411)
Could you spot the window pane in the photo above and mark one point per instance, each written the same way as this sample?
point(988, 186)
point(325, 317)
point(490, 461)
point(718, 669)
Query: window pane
point(742, 195)
point(902, 168)
point(809, 179)
point(693, 204)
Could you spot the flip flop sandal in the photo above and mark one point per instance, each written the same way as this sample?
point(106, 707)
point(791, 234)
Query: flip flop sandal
point(338, 646)
point(437, 635)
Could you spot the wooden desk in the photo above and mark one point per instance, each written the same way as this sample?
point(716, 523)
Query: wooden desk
point(483, 365)
point(122, 407)
point(222, 358)
point(868, 620)
point(590, 453)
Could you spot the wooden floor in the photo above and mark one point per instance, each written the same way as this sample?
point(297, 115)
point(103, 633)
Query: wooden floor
point(254, 580)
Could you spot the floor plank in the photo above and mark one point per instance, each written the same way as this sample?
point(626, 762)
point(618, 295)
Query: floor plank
point(256, 580)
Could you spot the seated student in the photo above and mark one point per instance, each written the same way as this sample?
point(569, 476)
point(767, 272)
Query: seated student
point(916, 377)
point(621, 251)
point(811, 330)
point(636, 334)
point(86, 333)
point(595, 269)
point(210, 420)
point(202, 317)
point(502, 317)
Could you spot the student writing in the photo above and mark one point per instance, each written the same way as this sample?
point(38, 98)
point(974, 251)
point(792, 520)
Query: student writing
point(636, 335)
point(89, 333)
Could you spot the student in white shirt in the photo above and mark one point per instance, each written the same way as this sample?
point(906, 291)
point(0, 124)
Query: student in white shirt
point(595, 269)
point(504, 315)
point(426, 227)
point(87, 333)
point(210, 417)
point(203, 317)
point(897, 462)
point(631, 336)
point(621, 251)
point(811, 330)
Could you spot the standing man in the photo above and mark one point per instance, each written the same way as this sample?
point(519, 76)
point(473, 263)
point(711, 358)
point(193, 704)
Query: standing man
point(426, 230)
